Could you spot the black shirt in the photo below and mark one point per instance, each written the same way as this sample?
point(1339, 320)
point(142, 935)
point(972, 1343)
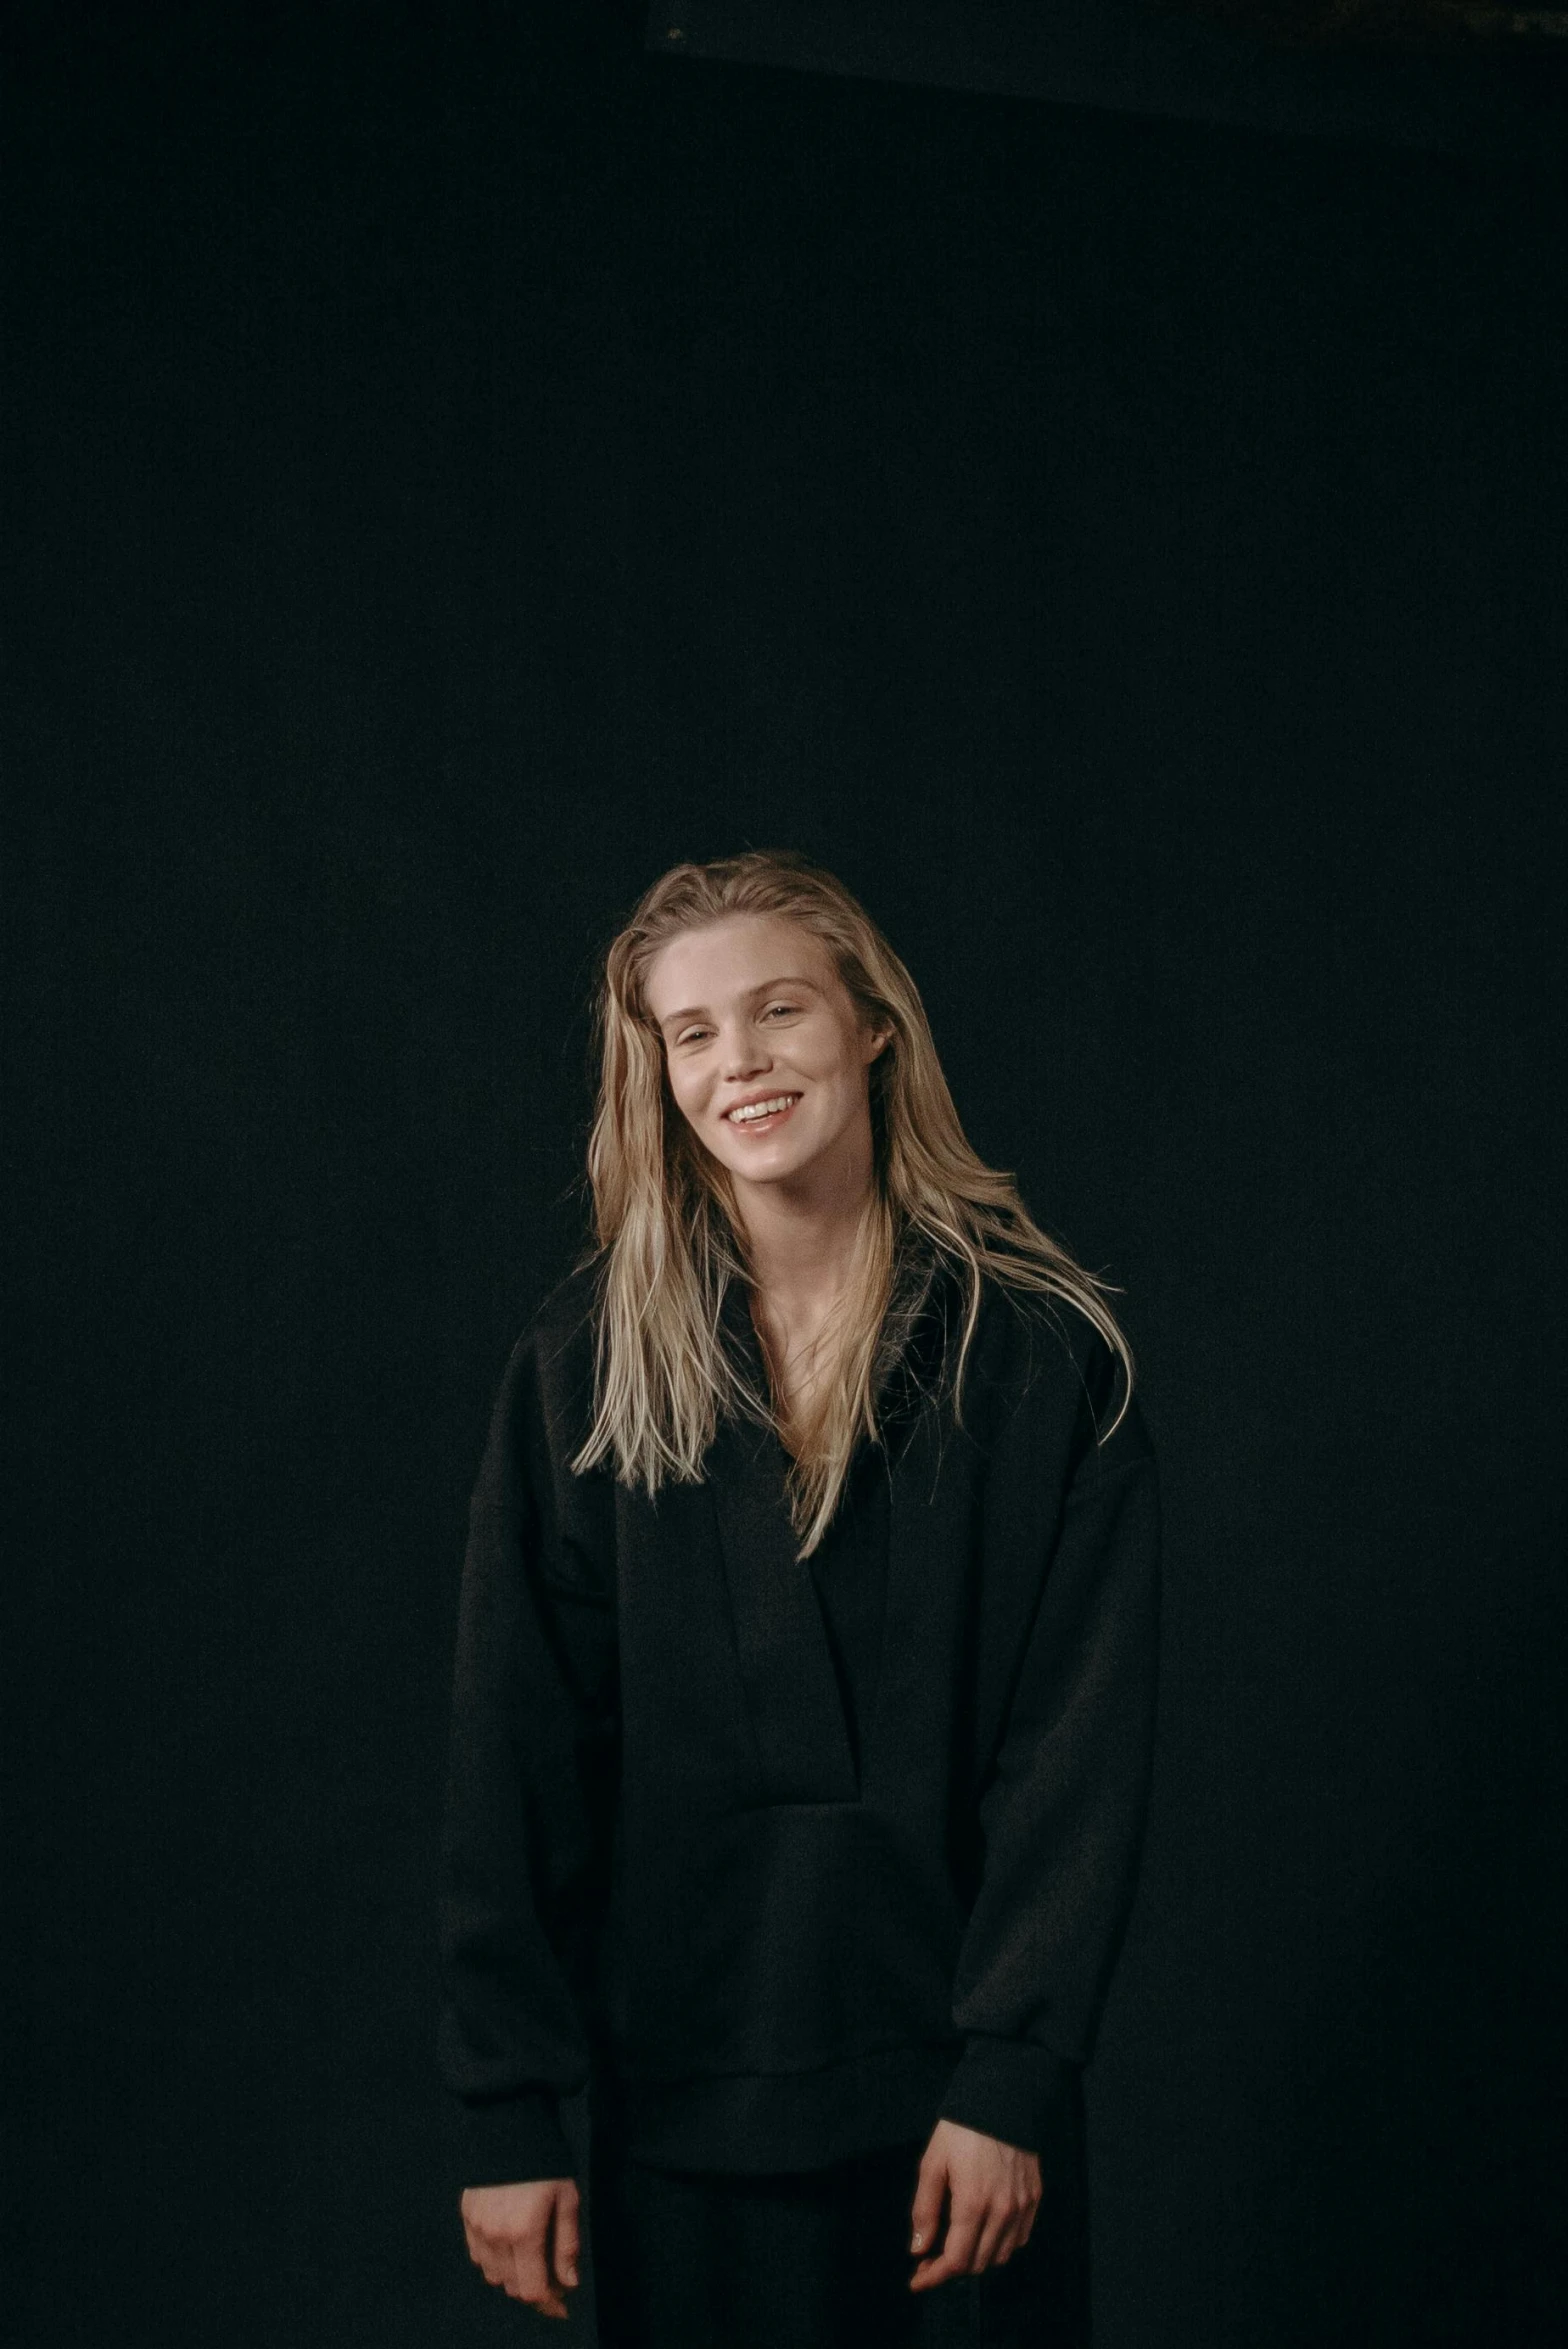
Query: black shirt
point(790, 1859)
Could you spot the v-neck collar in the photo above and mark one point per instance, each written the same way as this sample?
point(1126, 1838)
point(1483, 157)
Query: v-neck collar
point(792, 1687)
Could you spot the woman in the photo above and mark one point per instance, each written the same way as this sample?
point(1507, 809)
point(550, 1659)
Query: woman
point(805, 1681)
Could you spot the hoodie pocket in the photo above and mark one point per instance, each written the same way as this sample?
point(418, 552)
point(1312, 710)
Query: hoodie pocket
point(794, 1935)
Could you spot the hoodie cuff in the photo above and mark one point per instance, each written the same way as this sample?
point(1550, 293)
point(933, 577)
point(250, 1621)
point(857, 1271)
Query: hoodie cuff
point(1012, 2090)
point(510, 2140)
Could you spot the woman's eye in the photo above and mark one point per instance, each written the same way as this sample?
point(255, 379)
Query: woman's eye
point(696, 1035)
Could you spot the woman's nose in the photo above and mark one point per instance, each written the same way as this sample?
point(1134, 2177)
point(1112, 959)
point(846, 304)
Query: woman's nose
point(744, 1053)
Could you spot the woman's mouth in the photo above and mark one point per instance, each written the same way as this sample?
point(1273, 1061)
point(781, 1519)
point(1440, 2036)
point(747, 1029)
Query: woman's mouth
point(761, 1117)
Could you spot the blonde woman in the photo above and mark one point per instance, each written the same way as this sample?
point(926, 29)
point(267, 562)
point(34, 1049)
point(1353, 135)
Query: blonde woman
point(805, 1682)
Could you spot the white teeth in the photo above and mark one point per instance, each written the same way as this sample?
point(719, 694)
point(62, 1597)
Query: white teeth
point(761, 1109)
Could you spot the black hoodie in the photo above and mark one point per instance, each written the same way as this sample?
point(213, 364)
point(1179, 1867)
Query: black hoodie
point(794, 1858)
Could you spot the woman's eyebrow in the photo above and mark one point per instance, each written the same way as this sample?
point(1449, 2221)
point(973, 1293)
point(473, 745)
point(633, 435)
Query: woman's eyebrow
point(696, 1011)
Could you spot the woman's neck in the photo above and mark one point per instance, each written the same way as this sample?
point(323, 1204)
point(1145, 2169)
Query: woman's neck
point(805, 1249)
point(802, 1267)
point(802, 1270)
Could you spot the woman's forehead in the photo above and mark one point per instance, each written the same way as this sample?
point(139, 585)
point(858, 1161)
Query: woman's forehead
point(726, 957)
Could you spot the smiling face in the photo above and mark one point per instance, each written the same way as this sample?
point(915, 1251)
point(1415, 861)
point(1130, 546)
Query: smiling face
point(756, 1019)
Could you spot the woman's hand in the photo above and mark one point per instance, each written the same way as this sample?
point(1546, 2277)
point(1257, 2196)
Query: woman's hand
point(508, 2230)
point(995, 2192)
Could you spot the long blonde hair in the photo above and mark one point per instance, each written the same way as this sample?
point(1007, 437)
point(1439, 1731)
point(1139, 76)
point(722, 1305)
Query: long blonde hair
point(669, 1241)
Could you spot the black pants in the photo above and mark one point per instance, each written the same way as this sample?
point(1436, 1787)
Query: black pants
point(815, 2259)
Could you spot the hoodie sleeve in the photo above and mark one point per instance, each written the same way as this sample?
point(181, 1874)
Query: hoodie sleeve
point(529, 1802)
point(1062, 1809)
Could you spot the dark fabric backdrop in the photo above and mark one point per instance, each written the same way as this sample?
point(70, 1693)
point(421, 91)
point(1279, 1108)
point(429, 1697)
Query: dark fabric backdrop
point(460, 467)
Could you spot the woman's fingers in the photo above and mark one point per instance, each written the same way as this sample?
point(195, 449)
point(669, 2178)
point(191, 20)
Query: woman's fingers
point(530, 2278)
point(958, 2244)
point(925, 2215)
point(993, 2190)
point(492, 2260)
point(1010, 2224)
point(567, 2243)
point(509, 2230)
point(998, 2233)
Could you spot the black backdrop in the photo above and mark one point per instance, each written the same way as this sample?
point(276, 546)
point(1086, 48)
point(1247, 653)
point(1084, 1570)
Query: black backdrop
point(462, 467)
